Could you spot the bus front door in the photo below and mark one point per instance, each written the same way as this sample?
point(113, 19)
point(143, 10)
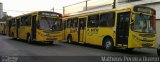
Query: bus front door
point(122, 30)
point(64, 30)
point(33, 27)
point(9, 28)
point(81, 29)
point(17, 28)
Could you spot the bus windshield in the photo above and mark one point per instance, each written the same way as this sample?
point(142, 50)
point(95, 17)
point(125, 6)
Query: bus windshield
point(143, 23)
point(53, 24)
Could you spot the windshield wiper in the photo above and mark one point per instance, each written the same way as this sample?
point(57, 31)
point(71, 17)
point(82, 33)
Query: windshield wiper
point(145, 20)
point(47, 22)
point(142, 17)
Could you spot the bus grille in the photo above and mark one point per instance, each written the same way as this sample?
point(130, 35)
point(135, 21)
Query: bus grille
point(147, 45)
point(147, 40)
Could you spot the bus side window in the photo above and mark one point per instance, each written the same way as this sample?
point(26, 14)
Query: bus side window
point(13, 23)
point(28, 20)
point(111, 19)
point(64, 24)
point(75, 22)
point(34, 21)
point(71, 23)
point(18, 23)
point(107, 19)
point(23, 23)
point(68, 23)
point(82, 23)
point(93, 21)
point(103, 20)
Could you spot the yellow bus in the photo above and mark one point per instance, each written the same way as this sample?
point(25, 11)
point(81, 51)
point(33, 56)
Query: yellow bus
point(126, 27)
point(2, 27)
point(42, 26)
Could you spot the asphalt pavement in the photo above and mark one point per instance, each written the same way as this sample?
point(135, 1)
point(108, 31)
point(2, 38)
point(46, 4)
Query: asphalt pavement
point(43, 52)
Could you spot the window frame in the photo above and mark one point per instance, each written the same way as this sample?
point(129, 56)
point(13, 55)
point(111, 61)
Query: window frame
point(90, 21)
point(13, 22)
point(75, 22)
point(110, 21)
point(68, 23)
point(26, 20)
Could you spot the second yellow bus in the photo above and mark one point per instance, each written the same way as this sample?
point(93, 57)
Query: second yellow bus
point(127, 27)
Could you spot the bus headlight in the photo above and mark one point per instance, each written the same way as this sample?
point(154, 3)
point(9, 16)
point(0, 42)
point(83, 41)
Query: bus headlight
point(135, 37)
point(46, 34)
point(142, 39)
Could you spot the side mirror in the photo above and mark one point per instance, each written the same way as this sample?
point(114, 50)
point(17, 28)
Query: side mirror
point(133, 18)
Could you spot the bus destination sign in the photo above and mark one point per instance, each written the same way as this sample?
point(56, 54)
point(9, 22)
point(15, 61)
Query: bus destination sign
point(49, 14)
point(144, 10)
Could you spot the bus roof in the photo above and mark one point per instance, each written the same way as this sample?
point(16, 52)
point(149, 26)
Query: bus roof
point(35, 12)
point(95, 11)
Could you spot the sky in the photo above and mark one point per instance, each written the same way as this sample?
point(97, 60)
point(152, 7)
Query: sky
point(19, 7)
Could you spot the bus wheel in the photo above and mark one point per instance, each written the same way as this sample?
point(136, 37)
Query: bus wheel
point(51, 42)
point(108, 44)
point(69, 39)
point(129, 49)
point(158, 50)
point(12, 34)
point(29, 39)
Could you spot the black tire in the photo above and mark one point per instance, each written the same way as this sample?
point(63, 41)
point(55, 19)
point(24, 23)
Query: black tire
point(129, 49)
point(29, 40)
point(51, 42)
point(69, 39)
point(158, 51)
point(13, 36)
point(108, 44)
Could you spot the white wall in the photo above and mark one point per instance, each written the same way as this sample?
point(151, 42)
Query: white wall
point(1, 12)
point(156, 7)
point(141, 2)
point(4, 14)
point(158, 31)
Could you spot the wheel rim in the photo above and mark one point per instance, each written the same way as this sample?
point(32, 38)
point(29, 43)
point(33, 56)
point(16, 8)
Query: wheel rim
point(69, 40)
point(108, 44)
point(29, 39)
